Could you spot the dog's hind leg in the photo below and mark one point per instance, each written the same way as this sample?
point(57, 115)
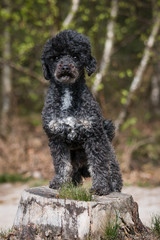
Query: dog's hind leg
point(109, 129)
point(62, 163)
point(116, 177)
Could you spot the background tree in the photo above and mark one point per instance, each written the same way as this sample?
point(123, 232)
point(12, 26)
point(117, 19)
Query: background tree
point(6, 72)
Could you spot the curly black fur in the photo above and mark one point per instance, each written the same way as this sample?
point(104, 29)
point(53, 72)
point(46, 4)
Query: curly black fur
point(79, 136)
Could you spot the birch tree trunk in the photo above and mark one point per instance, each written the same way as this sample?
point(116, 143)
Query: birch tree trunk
point(155, 93)
point(23, 70)
point(71, 14)
point(155, 82)
point(137, 80)
point(107, 48)
point(67, 21)
point(6, 80)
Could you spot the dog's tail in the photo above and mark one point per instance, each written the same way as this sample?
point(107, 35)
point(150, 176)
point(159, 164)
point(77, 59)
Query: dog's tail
point(109, 129)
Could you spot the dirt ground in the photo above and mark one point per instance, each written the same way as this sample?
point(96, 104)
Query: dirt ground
point(148, 200)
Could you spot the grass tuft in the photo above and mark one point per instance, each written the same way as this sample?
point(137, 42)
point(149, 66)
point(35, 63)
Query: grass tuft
point(156, 225)
point(12, 178)
point(70, 191)
point(38, 183)
point(111, 230)
point(4, 233)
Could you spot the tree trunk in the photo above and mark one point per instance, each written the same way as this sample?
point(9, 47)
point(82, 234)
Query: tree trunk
point(42, 215)
point(155, 82)
point(71, 14)
point(155, 93)
point(23, 70)
point(103, 102)
point(139, 73)
point(107, 48)
point(6, 80)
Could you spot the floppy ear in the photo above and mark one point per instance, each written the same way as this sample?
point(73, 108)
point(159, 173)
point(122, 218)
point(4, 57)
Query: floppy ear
point(46, 50)
point(45, 69)
point(91, 66)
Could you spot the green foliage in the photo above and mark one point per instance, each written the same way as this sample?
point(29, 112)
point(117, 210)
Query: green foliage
point(31, 23)
point(124, 96)
point(130, 122)
point(135, 132)
point(12, 178)
point(143, 184)
point(38, 182)
point(111, 230)
point(70, 191)
point(148, 153)
point(4, 233)
point(148, 116)
point(156, 225)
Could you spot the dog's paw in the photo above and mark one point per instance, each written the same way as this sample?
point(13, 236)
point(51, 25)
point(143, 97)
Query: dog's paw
point(57, 126)
point(72, 135)
point(70, 121)
point(100, 191)
point(53, 125)
point(83, 123)
point(86, 124)
point(55, 183)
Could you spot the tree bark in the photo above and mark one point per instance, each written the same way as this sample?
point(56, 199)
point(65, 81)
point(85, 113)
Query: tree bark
point(139, 73)
point(21, 69)
point(6, 79)
point(155, 93)
point(155, 81)
point(71, 14)
point(43, 215)
point(107, 48)
point(127, 163)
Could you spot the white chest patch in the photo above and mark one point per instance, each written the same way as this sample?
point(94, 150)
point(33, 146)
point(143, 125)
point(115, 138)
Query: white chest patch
point(66, 100)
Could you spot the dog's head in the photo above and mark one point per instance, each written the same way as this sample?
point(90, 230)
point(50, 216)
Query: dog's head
point(65, 57)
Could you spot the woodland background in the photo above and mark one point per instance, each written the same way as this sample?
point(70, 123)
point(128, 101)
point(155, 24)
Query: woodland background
point(125, 38)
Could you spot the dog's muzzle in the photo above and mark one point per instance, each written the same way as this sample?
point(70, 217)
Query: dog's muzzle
point(66, 72)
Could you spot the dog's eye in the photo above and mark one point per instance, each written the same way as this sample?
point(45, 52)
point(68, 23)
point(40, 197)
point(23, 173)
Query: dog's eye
point(57, 58)
point(75, 57)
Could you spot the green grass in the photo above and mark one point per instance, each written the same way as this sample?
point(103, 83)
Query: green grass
point(156, 225)
point(4, 233)
point(38, 182)
point(12, 178)
point(76, 193)
point(143, 184)
point(111, 229)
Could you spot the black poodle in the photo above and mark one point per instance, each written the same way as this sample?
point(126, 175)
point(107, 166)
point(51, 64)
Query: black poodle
point(79, 136)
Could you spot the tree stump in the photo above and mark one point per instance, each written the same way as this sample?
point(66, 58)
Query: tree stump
point(42, 215)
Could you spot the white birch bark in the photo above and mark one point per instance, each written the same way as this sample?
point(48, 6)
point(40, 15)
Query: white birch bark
point(6, 79)
point(155, 93)
point(139, 73)
point(71, 14)
point(6, 76)
point(107, 47)
point(155, 82)
point(23, 70)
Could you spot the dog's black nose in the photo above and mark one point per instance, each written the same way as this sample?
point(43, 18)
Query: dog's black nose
point(65, 68)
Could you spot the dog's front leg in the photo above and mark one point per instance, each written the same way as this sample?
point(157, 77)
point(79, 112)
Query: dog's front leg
point(99, 155)
point(62, 163)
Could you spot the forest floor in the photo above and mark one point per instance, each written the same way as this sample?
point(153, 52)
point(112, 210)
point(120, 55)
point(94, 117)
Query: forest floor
point(148, 200)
